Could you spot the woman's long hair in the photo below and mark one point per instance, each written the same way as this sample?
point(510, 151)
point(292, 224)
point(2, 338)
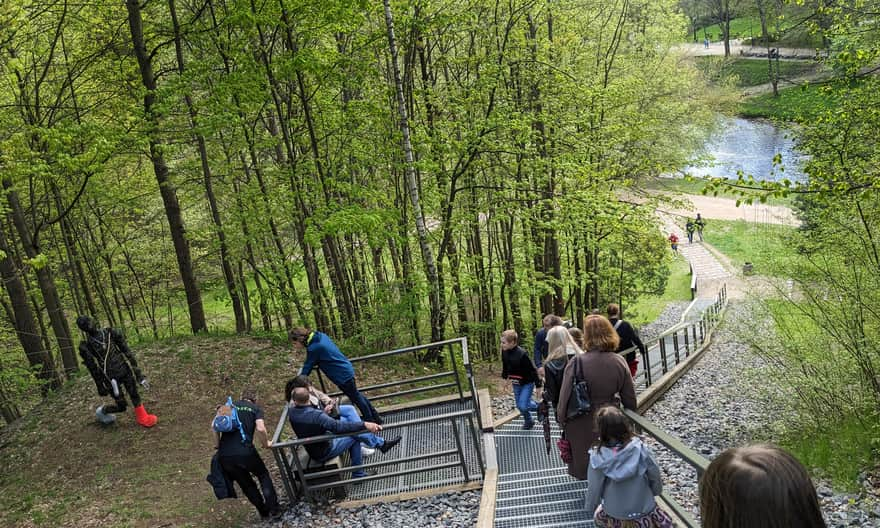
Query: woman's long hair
point(759, 486)
point(599, 335)
point(559, 342)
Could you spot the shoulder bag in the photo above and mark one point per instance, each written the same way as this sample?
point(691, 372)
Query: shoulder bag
point(579, 402)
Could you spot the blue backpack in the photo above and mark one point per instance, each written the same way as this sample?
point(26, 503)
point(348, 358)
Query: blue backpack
point(226, 420)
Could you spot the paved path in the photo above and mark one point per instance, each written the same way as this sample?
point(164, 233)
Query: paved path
point(737, 49)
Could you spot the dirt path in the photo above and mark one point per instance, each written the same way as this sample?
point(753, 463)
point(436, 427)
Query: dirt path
point(737, 49)
point(716, 208)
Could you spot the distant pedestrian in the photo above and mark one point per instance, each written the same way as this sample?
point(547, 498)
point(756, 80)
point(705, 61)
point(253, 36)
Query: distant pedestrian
point(690, 227)
point(700, 224)
point(759, 486)
point(706, 42)
point(673, 241)
point(624, 477)
point(519, 369)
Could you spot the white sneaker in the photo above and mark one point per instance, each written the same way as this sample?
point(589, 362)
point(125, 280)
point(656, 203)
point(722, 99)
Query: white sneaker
point(367, 451)
point(103, 417)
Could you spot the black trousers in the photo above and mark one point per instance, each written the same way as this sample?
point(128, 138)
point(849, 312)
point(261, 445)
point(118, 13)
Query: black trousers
point(120, 404)
point(240, 468)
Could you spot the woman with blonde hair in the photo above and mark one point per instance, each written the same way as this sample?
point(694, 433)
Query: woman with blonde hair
point(560, 348)
point(606, 375)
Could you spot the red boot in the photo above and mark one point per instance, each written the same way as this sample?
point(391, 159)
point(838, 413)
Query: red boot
point(141, 416)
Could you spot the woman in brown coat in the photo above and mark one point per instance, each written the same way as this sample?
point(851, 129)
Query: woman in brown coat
point(610, 382)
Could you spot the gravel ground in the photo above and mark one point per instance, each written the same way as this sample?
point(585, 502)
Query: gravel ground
point(721, 403)
point(453, 510)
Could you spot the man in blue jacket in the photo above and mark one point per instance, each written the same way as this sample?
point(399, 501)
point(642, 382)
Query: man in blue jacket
point(322, 352)
point(308, 421)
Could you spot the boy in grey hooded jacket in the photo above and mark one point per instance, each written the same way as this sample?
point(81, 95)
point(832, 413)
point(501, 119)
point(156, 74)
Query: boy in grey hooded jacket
point(623, 476)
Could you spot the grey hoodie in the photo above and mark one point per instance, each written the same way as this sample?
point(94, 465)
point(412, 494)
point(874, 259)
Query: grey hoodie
point(624, 480)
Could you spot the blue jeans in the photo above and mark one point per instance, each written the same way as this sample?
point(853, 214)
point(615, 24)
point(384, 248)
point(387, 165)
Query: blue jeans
point(352, 444)
point(522, 395)
point(349, 388)
point(348, 413)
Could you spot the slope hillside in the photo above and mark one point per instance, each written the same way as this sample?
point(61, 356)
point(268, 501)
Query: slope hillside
point(61, 468)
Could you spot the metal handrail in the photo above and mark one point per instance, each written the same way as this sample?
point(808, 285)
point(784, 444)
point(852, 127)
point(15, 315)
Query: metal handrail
point(303, 477)
point(405, 423)
point(454, 373)
point(675, 445)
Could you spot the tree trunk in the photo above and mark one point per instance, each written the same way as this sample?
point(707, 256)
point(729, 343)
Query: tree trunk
point(45, 280)
point(413, 191)
point(228, 276)
point(25, 324)
point(160, 168)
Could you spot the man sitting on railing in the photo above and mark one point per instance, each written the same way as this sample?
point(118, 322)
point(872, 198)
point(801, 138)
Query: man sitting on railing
point(322, 352)
point(331, 407)
point(308, 421)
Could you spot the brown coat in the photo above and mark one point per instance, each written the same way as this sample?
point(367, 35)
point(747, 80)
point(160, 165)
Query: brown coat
point(610, 382)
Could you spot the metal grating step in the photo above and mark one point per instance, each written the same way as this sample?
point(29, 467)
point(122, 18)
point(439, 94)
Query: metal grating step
point(545, 518)
point(520, 510)
point(547, 494)
point(535, 483)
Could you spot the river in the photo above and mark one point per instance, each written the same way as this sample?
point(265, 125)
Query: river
point(750, 146)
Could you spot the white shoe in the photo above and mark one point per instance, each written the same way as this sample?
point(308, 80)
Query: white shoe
point(367, 451)
point(103, 417)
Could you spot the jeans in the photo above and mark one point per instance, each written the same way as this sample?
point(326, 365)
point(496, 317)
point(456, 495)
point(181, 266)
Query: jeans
point(348, 413)
point(349, 388)
point(522, 395)
point(352, 444)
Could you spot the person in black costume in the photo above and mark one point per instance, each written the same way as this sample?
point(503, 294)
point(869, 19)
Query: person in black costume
point(113, 367)
point(239, 458)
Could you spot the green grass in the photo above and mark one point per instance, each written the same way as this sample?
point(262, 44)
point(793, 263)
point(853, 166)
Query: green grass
point(841, 449)
point(792, 104)
point(761, 244)
point(751, 72)
point(678, 288)
point(748, 28)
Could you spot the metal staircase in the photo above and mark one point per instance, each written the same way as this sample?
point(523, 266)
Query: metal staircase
point(534, 488)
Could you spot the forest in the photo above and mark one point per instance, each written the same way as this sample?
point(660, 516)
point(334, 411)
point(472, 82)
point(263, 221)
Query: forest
point(392, 173)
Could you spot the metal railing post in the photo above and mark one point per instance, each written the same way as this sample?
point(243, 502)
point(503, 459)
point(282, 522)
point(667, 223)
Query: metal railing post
point(301, 473)
point(477, 443)
point(646, 361)
point(464, 468)
point(284, 469)
point(455, 368)
point(663, 354)
point(675, 346)
point(694, 331)
point(687, 345)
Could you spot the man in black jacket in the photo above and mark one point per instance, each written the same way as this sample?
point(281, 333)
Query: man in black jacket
point(628, 337)
point(113, 366)
point(239, 458)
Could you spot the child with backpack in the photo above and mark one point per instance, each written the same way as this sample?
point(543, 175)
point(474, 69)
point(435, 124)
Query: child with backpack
point(624, 477)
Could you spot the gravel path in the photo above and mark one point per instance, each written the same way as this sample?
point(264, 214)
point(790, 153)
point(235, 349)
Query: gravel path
point(721, 403)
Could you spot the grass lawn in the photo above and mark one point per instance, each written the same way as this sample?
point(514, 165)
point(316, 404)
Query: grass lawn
point(764, 245)
point(752, 72)
point(678, 288)
point(797, 102)
point(747, 28)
